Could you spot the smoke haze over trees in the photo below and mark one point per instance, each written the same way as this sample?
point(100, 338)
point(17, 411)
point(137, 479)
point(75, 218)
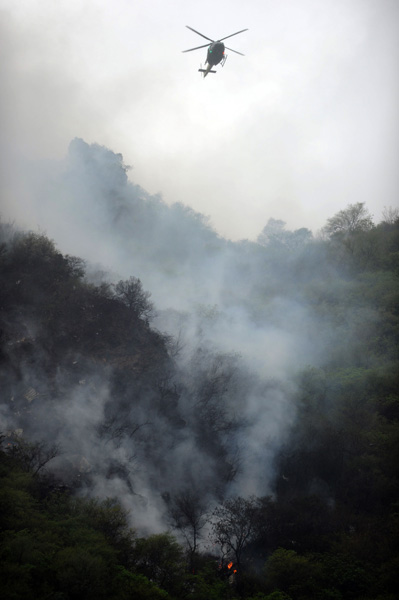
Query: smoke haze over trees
point(145, 358)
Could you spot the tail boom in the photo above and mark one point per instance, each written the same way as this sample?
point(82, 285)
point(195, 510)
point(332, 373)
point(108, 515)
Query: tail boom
point(207, 70)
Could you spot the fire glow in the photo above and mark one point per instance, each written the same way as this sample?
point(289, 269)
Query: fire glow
point(229, 566)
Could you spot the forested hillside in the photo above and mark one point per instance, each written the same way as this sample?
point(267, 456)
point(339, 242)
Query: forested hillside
point(244, 410)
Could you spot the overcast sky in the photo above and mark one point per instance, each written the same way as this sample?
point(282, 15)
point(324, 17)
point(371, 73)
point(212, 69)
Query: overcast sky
point(304, 124)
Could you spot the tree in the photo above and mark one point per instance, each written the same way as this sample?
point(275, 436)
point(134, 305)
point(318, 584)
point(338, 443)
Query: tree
point(355, 218)
point(32, 456)
point(390, 215)
point(234, 526)
point(276, 236)
point(348, 232)
point(272, 233)
point(214, 386)
point(188, 512)
point(134, 297)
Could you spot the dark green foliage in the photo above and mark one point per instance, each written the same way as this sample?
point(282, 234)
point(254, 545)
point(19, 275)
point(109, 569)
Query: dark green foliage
point(46, 550)
point(208, 584)
point(133, 585)
point(63, 548)
point(291, 573)
point(161, 559)
point(317, 576)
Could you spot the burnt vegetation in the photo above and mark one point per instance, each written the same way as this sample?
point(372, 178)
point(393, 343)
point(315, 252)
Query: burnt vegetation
point(95, 400)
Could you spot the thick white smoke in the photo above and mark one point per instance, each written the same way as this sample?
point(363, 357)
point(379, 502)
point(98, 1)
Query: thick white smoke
point(240, 331)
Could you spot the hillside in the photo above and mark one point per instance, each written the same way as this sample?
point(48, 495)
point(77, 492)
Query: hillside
point(248, 402)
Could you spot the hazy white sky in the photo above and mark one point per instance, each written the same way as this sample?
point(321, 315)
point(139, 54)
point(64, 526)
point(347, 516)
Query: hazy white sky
point(304, 124)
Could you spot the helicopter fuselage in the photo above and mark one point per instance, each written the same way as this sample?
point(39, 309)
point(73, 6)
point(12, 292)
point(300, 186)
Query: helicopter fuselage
point(215, 53)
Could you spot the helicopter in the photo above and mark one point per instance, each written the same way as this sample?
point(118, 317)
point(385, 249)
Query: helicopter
point(215, 54)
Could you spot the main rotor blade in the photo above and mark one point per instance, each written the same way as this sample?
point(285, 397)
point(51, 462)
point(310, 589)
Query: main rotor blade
point(231, 50)
point(202, 35)
point(197, 48)
point(236, 33)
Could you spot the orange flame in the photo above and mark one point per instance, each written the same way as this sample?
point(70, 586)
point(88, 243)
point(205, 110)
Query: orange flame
point(229, 565)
